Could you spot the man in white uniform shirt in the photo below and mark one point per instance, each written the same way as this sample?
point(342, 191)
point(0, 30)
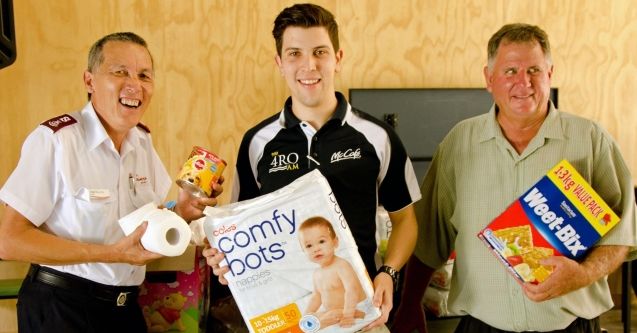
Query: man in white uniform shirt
point(77, 175)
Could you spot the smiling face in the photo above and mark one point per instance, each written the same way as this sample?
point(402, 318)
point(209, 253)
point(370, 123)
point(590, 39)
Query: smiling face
point(308, 62)
point(520, 80)
point(121, 87)
point(319, 243)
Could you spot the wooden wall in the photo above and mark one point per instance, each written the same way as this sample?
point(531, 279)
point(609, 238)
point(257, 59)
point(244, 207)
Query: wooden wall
point(216, 74)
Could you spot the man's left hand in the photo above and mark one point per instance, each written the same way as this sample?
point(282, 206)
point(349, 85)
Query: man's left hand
point(568, 275)
point(191, 207)
point(383, 298)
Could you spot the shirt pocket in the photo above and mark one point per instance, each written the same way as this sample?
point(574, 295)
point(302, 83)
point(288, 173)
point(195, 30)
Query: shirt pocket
point(95, 214)
point(143, 194)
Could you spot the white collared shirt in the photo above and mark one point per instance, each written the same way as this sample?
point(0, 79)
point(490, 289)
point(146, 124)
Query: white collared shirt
point(73, 183)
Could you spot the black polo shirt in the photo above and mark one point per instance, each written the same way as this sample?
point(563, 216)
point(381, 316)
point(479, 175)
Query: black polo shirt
point(362, 158)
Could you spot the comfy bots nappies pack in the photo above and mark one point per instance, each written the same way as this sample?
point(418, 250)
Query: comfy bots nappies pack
point(294, 265)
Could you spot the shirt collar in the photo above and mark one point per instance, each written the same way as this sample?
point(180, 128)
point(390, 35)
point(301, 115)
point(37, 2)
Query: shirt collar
point(290, 120)
point(96, 133)
point(551, 127)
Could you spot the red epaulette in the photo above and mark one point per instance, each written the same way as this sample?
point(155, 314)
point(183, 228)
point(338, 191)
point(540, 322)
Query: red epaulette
point(59, 122)
point(144, 127)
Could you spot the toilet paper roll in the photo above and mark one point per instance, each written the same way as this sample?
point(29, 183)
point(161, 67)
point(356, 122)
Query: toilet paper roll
point(131, 221)
point(167, 233)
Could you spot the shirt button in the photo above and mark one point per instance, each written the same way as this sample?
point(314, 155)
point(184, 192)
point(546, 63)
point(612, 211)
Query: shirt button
point(315, 139)
point(314, 154)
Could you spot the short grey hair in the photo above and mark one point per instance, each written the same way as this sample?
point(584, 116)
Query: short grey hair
point(95, 56)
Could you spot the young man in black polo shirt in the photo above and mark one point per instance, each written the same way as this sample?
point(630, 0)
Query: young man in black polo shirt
point(361, 157)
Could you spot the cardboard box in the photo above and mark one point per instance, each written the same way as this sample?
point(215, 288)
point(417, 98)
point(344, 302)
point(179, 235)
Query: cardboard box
point(561, 214)
point(184, 262)
point(175, 295)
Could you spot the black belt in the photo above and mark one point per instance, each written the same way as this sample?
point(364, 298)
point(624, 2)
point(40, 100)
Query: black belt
point(119, 296)
point(471, 324)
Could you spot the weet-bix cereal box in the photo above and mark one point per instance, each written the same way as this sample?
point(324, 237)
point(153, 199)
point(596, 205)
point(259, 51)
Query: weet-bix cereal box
point(561, 214)
point(294, 265)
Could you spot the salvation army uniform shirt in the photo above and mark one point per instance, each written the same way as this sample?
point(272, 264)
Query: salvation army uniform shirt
point(70, 181)
point(362, 158)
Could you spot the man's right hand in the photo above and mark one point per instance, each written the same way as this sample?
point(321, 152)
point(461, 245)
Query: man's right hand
point(131, 250)
point(213, 258)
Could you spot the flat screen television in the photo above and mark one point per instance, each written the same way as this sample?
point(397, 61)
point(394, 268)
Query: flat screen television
point(423, 116)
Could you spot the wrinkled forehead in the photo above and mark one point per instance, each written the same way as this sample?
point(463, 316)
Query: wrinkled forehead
point(528, 46)
point(126, 54)
point(529, 52)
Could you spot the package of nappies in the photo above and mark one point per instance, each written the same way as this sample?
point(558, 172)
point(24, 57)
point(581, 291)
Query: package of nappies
point(294, 265)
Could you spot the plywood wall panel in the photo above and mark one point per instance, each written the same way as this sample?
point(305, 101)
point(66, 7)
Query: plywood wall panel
point(216, 75)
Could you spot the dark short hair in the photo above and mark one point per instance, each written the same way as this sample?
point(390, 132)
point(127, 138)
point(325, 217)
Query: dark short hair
point(518, 33)
point(95, 56)
point(304, 15)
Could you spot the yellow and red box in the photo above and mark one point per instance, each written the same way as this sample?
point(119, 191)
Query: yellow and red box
point(560, 215)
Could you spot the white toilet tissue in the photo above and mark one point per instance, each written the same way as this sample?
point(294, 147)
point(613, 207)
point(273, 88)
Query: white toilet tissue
point(167, 233)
